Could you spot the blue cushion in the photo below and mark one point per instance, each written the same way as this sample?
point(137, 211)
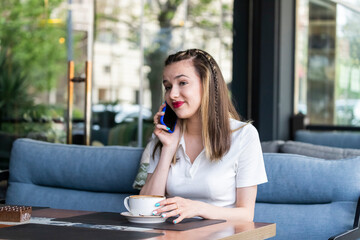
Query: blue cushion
point(296, 179)
point(331, 139)
point(307, 221)
point(100, 169)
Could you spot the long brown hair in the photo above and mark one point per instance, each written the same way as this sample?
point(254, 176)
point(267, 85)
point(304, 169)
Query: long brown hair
point(216, 107)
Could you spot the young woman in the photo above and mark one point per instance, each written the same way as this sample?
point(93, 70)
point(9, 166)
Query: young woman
point(211, 164)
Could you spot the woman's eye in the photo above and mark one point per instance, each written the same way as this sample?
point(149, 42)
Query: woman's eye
point(183, 83)
point(167, 88)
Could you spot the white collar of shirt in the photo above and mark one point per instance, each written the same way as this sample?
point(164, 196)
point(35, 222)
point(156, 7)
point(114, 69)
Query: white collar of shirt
point(182, 142)
point(182, 147)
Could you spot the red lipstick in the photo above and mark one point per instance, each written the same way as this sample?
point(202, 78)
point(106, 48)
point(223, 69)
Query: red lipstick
point(177, 104)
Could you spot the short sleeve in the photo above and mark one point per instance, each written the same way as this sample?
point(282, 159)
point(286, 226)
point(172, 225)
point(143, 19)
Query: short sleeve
point(250, 167)
point(154, 159)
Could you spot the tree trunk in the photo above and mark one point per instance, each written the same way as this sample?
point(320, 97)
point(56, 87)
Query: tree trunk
point(156, 57)
point(155, 60)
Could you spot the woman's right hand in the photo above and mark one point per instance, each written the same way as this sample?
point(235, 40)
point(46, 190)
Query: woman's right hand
point(169, 140)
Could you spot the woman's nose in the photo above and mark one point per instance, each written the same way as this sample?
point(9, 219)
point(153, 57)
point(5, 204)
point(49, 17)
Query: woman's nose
point(174, 93)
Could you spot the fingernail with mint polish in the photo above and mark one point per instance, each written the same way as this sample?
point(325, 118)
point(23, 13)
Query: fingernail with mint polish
point(168, 128)
point(163, 215)
point(174, 221)
point(154, 212)
point(157, 205)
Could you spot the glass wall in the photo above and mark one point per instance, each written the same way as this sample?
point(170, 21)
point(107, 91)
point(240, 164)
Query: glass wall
point(130, 42)
point(327, 67)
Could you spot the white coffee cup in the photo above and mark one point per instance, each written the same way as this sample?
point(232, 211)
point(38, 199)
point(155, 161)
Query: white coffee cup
point(142, 205)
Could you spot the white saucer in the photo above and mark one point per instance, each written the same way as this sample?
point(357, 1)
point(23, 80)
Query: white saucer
point(143, 219)
point(14, 223)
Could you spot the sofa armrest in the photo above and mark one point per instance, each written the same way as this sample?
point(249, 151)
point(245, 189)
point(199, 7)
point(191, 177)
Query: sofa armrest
point(349, 235)
point(353, 233)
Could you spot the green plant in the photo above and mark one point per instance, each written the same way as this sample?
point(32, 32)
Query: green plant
point(14, 95)
point(37, 123)
point(19, 116)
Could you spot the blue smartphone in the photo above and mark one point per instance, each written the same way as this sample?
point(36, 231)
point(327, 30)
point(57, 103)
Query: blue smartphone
point(169, 119)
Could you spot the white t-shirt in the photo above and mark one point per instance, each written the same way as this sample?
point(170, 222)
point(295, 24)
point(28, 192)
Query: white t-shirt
point(216, 182)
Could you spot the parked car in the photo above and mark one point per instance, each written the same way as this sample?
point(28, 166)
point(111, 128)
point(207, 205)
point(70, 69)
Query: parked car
point(107, 116)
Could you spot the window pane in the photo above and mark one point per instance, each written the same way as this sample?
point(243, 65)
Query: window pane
point(32, 67)
point(347, 89)
point(327, 62)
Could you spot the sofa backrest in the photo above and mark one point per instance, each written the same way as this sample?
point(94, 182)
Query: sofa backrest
point(71, 176)
point(329, 138)
point(296, 179)
point(318, 151)
point(102, 169)
point(308, 149)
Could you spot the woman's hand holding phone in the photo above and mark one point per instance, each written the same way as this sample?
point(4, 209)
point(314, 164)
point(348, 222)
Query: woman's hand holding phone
point(161, 131)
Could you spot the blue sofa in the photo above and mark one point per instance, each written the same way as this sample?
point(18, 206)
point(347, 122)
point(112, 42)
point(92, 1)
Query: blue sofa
point(71, 176)
point(308, 198)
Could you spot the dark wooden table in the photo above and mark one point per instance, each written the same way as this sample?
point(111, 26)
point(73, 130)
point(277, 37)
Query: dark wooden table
point(229, 230)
